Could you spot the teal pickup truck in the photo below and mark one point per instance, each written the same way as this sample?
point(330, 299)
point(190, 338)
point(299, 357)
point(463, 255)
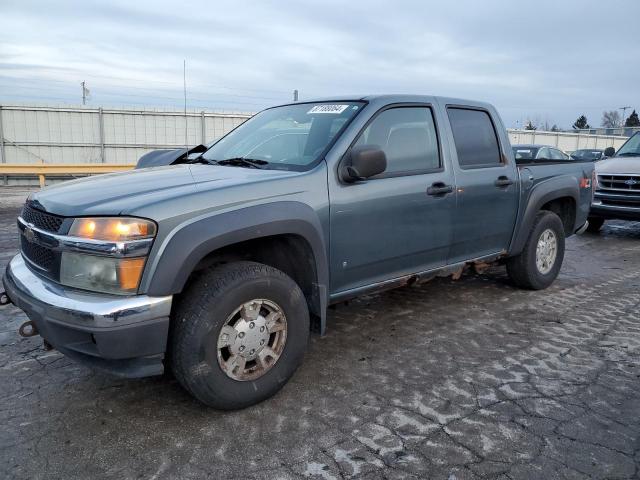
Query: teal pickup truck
point(217, 262)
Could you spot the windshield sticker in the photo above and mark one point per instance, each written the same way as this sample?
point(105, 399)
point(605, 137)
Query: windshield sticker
point(337, 109)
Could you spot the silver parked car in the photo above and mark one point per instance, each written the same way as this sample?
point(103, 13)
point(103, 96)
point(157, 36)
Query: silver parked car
point(617, 193)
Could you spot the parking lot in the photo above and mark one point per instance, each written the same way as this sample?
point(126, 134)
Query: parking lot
point(448, 380)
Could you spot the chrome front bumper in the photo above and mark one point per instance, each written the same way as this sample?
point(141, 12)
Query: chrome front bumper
point(126, 336)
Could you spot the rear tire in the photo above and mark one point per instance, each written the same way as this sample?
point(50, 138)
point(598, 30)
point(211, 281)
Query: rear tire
point(595, 224)
point(238, 334)
point(539, 263)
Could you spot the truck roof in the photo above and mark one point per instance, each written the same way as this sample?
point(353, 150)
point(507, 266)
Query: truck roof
point(395, 98)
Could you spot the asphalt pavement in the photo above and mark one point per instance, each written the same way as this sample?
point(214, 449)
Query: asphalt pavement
point(448, 380)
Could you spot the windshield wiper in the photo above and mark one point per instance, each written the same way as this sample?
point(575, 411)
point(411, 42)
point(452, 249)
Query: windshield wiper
point(243, 162)
point(201, 159)
point(628, 154)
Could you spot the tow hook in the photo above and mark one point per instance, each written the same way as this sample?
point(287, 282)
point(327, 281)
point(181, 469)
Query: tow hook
point(4, 298)
point(28, 329)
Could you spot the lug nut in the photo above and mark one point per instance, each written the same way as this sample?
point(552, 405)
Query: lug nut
point(252, 352)
point(251, 325)
point(241, 335)
point(241, 348)
point(262, 329)
point(261, 342)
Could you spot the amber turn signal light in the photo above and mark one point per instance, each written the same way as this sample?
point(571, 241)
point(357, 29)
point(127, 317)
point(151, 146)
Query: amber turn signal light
point(116, 229)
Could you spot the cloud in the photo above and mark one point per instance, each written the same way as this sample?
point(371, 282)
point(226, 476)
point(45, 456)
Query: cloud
point(553, 60)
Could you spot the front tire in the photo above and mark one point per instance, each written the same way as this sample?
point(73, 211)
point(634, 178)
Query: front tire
point(238, 334)
point(539, 263)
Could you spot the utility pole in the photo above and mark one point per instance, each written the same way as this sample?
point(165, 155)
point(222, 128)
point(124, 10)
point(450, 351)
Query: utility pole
point(84, 93)
point(295, 95)
point(624, 110)
point(184, 84)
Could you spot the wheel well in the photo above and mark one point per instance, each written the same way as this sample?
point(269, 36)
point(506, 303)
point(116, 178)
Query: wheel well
point(565, 208)
point(290, 253)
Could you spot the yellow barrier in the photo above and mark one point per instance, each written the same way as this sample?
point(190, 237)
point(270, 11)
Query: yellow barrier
point(44, 169)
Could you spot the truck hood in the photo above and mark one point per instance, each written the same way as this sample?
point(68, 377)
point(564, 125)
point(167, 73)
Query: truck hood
point(619, 165)
point(124, 192)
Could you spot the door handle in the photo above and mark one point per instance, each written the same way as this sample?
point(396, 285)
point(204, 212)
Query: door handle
point(439, 189)
point(503, 181)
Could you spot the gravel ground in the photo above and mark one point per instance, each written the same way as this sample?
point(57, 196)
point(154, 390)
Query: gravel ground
point(449, 380)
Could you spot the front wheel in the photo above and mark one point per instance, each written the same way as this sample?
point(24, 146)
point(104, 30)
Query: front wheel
point(539, 263)
point(238, 334)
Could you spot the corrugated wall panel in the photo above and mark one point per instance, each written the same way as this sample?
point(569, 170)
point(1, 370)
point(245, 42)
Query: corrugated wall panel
point(35, 134)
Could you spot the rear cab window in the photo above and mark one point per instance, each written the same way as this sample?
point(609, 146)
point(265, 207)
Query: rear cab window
point(475, 138)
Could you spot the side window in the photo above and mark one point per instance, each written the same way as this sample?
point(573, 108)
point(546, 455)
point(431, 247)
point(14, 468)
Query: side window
point(543, 154)
point(475, 138)
point(558, 155)
point(408, 137)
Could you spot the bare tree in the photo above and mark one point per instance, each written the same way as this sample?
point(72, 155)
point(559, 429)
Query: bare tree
point(611, 119)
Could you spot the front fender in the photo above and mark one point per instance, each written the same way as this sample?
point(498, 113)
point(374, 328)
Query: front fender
point(540, 194)
point(191, 241)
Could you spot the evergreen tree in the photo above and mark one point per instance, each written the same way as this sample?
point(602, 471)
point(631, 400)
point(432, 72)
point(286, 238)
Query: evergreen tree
point(633, 120)
point(581, 123)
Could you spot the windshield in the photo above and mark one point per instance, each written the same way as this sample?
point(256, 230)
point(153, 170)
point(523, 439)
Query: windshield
point(291, 137)
point(631, 148)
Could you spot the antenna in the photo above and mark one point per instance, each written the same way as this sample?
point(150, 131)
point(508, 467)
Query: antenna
point(184, 83)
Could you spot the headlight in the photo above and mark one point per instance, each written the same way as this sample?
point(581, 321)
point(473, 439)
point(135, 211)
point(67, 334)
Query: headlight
point(113, 228)
point(101, 274)
point(112, 270)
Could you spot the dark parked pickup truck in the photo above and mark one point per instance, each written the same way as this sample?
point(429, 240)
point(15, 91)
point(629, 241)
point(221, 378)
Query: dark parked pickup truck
point(218, 265)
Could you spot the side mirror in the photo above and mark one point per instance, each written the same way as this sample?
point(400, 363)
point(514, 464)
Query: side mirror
point(609, 152)
point(363, 162)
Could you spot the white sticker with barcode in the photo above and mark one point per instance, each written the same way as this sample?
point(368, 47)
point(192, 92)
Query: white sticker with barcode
point(326, 108)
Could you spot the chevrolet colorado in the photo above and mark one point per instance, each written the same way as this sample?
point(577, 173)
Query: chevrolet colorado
point(219, 263)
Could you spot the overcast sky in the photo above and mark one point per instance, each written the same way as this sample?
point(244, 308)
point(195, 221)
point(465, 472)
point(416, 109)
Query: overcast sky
point(549, 60)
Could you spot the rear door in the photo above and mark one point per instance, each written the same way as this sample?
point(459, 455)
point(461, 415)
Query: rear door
point(487, 185)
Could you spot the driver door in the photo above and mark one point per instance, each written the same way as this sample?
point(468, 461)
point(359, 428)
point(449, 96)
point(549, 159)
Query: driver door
point(390, 225)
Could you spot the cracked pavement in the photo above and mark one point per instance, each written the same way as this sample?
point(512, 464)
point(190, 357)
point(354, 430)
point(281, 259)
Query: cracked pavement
point(447, 380)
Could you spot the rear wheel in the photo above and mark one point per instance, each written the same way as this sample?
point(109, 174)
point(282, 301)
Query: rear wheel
point(539, 263)
point(595, 224)
point(239, 333)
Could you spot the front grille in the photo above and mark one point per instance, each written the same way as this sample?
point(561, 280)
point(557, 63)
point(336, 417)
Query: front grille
point(42, 220)
point(619, 183)
point(40, 256)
